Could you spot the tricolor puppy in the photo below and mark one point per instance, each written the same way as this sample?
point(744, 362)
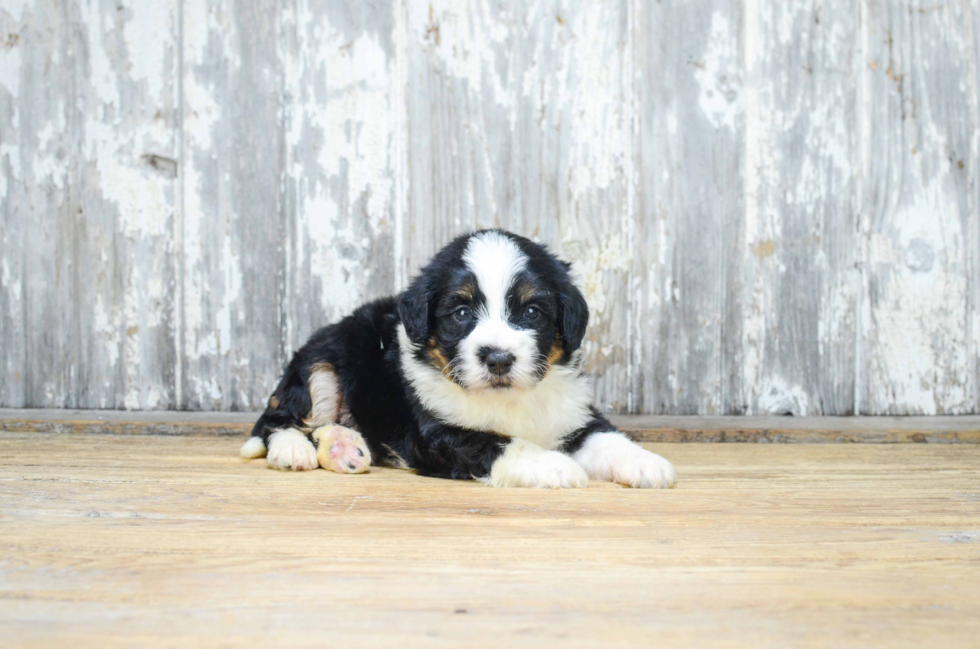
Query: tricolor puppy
point(474, 372)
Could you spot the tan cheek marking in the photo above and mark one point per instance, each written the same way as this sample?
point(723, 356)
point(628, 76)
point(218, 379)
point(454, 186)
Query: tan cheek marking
point(556, 353)
point(437, 356)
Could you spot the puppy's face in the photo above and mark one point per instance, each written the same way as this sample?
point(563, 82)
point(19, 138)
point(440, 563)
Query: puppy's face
point(494, 311)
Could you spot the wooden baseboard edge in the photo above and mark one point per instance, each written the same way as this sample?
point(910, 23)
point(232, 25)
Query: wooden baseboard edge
point(655, 429)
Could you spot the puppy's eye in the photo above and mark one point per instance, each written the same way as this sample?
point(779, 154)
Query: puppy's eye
point(461, 314)
point(531, 313)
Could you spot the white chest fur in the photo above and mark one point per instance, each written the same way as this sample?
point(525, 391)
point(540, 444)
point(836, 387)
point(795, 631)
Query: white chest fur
point(544, 414)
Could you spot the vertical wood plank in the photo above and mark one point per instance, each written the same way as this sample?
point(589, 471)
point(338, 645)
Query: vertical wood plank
point(918, 206)
point(233, 293)
point(802, 250)
point(974, 274)
point(519, 117)
point(689, 239)
point(123, 200)
point(341, 136)
point(36, 230)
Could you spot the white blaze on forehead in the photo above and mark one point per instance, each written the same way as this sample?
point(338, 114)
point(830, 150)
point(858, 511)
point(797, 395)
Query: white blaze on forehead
point(495, 260)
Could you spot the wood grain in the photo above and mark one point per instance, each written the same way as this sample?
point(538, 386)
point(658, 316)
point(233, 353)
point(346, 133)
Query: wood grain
point(801, 252)
point(690, 236)
point(646, 428)
point(115, 541)
point(919, 210)
point(232, 228)
point(774, 207)
point(339, 100)
point(520, 117)
point(124, 193)
point(38, 339)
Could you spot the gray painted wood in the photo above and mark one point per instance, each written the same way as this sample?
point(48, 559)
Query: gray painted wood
point(123, 193)
point(340, 104)
point(690, 233)
point(233, 226)
point(766, 200)
point(519, 116)
point(39, 335)
point(918, 212)
point(801, 249)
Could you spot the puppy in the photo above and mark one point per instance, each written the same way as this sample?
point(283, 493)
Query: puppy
point(474, 372)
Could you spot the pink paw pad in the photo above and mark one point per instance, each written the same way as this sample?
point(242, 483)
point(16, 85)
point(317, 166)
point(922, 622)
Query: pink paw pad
point(341, 449)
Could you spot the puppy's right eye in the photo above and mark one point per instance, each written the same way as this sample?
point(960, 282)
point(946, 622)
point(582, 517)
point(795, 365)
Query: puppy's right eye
point(462, 314)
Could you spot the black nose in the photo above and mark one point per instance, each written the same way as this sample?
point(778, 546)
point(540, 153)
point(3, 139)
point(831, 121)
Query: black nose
point(499, 362)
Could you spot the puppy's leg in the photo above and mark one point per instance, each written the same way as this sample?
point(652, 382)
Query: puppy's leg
point(612, 456)
point(308, 397)
point(607, 454)
point(291, 450)
point(450, 452)
point(524, 464)
point(341, 449)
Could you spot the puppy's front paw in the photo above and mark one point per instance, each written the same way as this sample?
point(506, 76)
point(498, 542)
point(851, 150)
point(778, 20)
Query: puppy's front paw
point(526, 465)
point(645, 470)
point(611, 456)
point(291, 450)
point(341, 449)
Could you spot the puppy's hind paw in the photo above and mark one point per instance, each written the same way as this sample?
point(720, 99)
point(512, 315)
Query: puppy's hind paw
point(341, 449)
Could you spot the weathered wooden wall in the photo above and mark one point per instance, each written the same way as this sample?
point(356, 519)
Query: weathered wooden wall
point(775, 204)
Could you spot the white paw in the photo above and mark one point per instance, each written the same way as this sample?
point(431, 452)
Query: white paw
point(291, 450)
point(524, 464)
point(341, 449)
point(252, 448)
point(611, 456)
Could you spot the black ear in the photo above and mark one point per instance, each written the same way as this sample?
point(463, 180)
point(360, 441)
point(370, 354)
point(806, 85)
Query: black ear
point(573, 316)
point(413, 310)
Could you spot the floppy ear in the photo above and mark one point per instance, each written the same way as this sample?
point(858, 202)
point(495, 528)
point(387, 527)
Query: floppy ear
point(413, 310)
point(573, 316)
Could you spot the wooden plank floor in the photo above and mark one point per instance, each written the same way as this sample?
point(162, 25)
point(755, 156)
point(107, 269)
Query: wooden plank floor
point(115, 540)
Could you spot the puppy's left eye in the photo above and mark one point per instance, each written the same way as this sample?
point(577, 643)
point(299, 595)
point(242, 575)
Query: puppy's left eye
point(462, 314)
point(531, 313)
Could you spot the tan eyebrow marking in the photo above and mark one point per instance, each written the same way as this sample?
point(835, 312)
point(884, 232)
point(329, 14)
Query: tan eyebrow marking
point(467, 291)
point(527, 292)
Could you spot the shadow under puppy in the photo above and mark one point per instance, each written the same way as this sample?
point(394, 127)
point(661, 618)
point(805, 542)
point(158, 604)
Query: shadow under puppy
point(474, 372)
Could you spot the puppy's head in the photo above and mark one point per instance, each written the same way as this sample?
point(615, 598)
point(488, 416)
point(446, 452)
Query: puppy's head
point(493, 310)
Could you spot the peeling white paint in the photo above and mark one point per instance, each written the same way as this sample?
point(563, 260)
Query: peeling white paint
point(228, 313)
point(144, 208)
point(778, 397)
point(10, 56)
point(533, 114)
point(51, 167)
point(464, 40)
point(919, 336)
point(720, 76)
point(152, 25)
